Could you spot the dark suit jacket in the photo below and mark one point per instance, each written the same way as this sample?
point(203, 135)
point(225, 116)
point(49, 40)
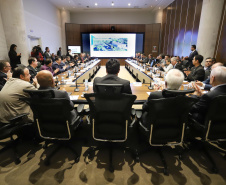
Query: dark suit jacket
point(178, 66)
point(59, 53)
point(199, 109)
point(3, 76)
point(64, 94)
point(190, 58)
point(145, 60)
point(152, 62)
point(197, 73)
point(207, 86)
point(113, 79)
point(33, 72)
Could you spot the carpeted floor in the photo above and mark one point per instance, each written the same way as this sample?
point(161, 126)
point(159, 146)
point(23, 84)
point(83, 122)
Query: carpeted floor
point(193, 169)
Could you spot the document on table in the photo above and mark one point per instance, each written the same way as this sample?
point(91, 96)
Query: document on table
point(137, 83)
point(74, 97)
point(149, 93)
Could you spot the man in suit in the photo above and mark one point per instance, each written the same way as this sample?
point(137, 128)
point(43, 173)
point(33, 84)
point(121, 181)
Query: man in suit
point(47, 53)
point(206, 83)
point(4, 72)
point(197, 72)
point(207, 67)
point(59, 65)
point(59, 52)
point(144, 59)
point(112, 69)
point(151, 60)
point(176, 65)
point(218, 82)
point(10, 104)
point(191, 56)
point(46, 81)
point(173, 81)
point(33, 63)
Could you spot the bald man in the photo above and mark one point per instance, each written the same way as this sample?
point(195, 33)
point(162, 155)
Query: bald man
point(46, 81)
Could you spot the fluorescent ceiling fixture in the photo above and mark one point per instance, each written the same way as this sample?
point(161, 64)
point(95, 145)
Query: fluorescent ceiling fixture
point(129, 4)
point(96, 4)
point(112, 4)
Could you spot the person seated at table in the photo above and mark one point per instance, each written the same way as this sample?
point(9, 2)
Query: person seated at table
point(218, 82)
point(113, 69)
point(197, 72)
point(46, 81)
point(166, 67)
point(48, 66)
point(10, 103)
point(144, 59)
point(206, 83)
point(65, 62)
point(58, 64)
point(76, 60)
point(173, 81)
point(33, 63)
point(176, 64)
point(5, 73)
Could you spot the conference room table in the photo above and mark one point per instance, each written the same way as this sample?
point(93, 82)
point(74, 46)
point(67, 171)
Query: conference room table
point(140, 89)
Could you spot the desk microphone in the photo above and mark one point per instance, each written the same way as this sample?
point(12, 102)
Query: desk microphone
point(150, 87)
point(76, 86)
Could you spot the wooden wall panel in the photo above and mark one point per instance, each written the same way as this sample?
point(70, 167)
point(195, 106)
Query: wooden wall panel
point(180, 26)
point(151, 31)
point(220, 50)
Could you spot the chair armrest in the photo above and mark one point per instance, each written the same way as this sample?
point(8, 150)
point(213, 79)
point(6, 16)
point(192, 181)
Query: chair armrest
point(194, 123)
point(138, 114)
point(80, 108)
point(19, 118)
point(133, 112)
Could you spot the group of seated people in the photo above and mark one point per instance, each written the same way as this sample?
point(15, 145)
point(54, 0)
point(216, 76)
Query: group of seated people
point(10, 105)
point(165, 63)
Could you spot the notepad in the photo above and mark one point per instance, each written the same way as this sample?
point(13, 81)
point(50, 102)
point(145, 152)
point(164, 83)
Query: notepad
point(74, 97)
point(137, 83)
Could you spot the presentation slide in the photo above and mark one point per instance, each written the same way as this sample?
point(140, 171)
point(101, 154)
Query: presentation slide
point(112, 45)
point(75, 49)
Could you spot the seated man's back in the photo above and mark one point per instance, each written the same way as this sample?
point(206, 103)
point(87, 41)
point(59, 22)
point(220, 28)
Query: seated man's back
point(112, 69)
point(10, 105)
point(46, 81)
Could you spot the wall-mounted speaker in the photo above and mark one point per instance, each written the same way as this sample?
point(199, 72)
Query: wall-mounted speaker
point(113, 28)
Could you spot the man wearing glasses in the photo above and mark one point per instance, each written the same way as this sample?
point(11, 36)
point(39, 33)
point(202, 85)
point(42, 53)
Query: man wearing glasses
point(5, 73)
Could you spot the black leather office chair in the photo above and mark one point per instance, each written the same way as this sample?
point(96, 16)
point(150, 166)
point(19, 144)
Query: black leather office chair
point(10, 129)
point(53, 119)
point(166, 120)
point(116, 89)
point(110, 116)
point(109, 88)
point(173, 93)
point(214, 129)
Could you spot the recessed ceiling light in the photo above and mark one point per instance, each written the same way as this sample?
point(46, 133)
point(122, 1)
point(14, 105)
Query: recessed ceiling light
point(96, 4)
point(112, 4)
point(129, 4)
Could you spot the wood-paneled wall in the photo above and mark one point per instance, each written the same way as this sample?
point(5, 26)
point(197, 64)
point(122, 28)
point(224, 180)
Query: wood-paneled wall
point(151, 31)
point(220, 50)
point(180, 26)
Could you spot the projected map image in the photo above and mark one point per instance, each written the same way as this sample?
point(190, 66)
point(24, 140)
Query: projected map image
point(110, 44)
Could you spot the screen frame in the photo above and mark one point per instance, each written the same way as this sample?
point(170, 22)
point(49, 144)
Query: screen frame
point(77, 46)
point(113, 33)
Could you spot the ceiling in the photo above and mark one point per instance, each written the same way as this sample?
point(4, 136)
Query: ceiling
point(106, 5)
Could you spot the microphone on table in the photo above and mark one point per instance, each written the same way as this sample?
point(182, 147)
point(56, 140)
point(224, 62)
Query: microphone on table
point(76, 86)
point(150, 87)
point(56, 83)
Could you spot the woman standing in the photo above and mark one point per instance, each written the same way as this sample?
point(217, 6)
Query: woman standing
point(13, 56)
